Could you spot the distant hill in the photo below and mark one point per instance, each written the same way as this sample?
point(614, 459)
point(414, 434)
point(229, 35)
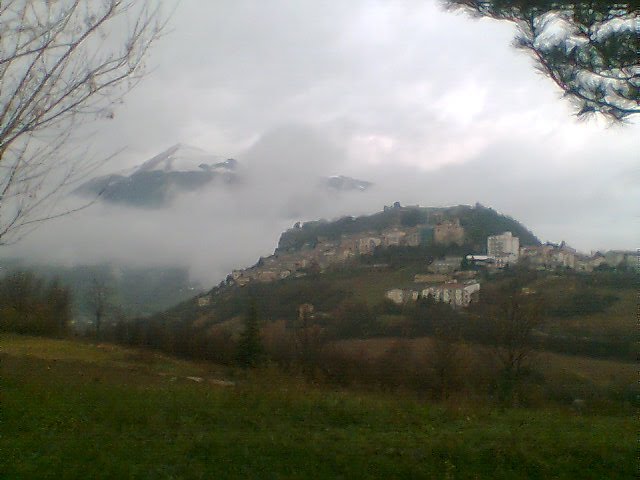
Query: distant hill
point(357, 276)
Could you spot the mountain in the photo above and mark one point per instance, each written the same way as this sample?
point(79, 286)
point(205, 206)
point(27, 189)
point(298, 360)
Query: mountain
point(182, 168)
point(342, 183)
point(185, 158)
point(154, 183)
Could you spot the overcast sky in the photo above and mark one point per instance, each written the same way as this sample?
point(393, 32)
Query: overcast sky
point(435, 108)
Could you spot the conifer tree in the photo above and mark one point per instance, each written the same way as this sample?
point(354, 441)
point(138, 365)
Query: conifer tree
point(250, 350)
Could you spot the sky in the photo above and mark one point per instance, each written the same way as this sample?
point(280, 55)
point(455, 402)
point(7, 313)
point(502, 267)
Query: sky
point(433, 107)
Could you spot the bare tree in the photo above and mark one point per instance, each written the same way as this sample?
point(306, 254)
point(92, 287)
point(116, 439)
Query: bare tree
point(99, 300)
point(62, 63)
point(515, 316)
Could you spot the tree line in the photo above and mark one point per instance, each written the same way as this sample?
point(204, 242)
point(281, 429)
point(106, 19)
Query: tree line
point(31, 305)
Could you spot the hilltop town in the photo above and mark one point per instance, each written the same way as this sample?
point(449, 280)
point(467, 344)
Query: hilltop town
point(451, 277)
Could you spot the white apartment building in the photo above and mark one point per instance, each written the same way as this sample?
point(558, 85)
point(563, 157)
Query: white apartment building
point(504, 248)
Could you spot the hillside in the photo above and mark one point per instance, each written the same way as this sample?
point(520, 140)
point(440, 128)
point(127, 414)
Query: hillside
point(317, 262)
point(478, 222)
point(581, 313)
point(80, 410)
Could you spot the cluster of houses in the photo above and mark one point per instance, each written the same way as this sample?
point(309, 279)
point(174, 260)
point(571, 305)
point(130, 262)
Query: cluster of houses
point(504, 249)
point(447, 282)
point(456, 293)
point(326, 252)
point(551, 256)
point(444, 280)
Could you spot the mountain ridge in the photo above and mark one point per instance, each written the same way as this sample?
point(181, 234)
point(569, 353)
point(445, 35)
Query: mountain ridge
point(183, 168)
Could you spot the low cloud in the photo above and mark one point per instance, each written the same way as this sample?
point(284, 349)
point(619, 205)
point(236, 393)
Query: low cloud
point(434, 108)
point(217, 229)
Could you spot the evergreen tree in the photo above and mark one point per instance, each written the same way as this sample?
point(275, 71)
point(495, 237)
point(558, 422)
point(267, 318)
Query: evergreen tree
point(250, 350)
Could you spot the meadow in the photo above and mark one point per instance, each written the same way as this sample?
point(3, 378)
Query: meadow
point(73, 409)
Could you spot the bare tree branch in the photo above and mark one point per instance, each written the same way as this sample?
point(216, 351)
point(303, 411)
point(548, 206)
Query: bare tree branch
point(61, 63)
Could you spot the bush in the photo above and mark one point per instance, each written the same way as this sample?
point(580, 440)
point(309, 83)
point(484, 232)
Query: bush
point(354, 319)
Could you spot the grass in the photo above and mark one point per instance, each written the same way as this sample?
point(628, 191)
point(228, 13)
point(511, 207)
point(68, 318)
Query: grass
point(371, 286)
point(618, 320)
point(565, 377)
point(76, 410)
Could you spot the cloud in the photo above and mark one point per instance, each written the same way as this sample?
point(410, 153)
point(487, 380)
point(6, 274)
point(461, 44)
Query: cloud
point(433, 107)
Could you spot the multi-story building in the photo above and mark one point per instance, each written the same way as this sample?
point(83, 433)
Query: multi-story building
point(504, 248)
point(456, 294)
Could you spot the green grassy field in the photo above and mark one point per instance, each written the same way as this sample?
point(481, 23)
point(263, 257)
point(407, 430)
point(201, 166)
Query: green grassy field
point(76, 410)
point(371, 286)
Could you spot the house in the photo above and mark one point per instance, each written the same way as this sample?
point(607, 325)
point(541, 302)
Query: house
point(413, 238)
point(456, 294)
point(267, 276)
point(204, 301)
point(616, 258)
point(538, 257)
point(583, 264)
point(400, 296)
point(563, 256)
point(448, 232)
point(367, 245)
point(392, 238)
point(236, 274)
point(396, 295)
point(598, 259)
point(551, 256)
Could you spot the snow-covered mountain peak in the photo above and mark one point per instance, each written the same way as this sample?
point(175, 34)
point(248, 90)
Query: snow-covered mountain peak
point(342, 183)
point(184, 158)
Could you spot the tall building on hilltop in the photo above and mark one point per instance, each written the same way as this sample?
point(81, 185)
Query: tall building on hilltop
point(504, 248)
